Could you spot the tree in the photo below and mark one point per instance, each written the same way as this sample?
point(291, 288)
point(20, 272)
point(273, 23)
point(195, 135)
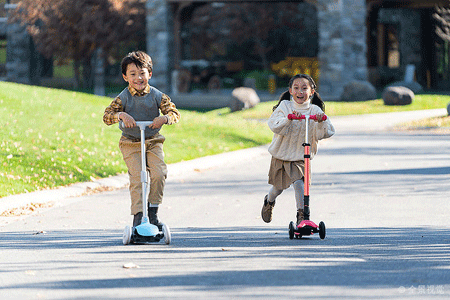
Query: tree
point(442, 16)
point(67, 29)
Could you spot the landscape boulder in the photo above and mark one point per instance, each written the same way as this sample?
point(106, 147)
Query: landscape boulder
point(397, 95)
point(358, 90)
point(414, 86)
point(243, 98)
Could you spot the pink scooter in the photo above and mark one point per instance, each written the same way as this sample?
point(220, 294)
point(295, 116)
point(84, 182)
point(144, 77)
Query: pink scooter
point(306, 227)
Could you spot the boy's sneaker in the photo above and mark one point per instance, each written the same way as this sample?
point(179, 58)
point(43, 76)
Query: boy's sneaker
point(137, 219)
point(266, 211)
point(300, 216)
point(153, 216)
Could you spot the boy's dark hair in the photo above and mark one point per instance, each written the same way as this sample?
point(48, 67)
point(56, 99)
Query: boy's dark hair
point(317, 100)
point(139, 58)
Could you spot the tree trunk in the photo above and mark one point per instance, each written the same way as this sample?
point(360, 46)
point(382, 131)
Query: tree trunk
point(88, 78)
point(76, 74)
point(98, 63)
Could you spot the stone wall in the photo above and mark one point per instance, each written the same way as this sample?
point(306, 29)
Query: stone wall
point(158, 43)
point(342, 45)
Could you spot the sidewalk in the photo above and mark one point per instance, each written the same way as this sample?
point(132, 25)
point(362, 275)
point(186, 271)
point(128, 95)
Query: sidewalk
point(364, 123)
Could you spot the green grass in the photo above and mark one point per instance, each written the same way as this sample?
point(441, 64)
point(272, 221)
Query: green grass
point(52, 138)
point(63, 71)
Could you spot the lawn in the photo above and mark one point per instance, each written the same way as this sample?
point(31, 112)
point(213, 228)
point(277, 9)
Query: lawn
point(54, 137)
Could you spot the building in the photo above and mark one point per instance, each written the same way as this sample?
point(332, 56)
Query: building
point(365, 40)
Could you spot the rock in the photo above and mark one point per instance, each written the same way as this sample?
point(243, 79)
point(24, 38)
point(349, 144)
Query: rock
point(414, 86)
point(358, 90)
point(397, 95)
point(243, 98)
point(448, 108)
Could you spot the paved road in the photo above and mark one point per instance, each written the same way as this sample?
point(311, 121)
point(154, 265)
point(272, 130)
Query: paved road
point(382, 194)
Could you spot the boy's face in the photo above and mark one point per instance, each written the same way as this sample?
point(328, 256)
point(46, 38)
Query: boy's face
point(137, 78)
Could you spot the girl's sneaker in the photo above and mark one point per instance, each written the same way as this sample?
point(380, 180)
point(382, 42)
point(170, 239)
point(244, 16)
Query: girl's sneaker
point(266, 211)
point(300, 216)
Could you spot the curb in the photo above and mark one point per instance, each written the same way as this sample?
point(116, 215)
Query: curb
point(176, 171)
point(358, 123)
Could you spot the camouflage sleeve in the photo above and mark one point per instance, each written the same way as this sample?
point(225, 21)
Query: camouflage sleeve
point(169, 109)
point(111, 114)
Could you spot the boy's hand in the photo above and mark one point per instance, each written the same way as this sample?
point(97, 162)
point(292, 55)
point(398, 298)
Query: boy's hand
point(158, 122)
point(128, 121)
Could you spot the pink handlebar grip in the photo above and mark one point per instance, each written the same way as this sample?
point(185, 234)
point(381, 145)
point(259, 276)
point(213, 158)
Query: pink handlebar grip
point(302, 117)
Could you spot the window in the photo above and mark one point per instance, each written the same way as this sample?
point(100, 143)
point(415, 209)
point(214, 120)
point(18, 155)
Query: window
point(388, 45)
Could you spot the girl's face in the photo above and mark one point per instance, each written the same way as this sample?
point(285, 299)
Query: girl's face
point(136, 77)
point(301, 90)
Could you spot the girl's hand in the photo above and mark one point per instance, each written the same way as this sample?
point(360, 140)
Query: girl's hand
point(158, 122)
point(319, 118)
point(128, 121)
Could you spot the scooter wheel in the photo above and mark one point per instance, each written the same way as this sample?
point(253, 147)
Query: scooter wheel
point(322, 230)
point(127, 235)
point(291, 230)
point(166, 232)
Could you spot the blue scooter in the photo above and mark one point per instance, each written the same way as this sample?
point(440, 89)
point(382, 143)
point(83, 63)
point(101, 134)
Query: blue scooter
point(145, 232)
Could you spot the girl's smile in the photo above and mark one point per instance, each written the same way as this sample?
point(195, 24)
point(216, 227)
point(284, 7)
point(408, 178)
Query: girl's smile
point(301, 90)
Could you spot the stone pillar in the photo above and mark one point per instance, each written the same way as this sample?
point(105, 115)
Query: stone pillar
point(98, 64)
point(342, 45)
point(18, 54)
point(158, 37)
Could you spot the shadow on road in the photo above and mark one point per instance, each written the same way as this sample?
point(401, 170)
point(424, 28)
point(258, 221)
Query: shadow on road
point(384, 257)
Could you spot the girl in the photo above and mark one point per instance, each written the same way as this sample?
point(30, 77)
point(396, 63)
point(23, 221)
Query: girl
point(287, 165)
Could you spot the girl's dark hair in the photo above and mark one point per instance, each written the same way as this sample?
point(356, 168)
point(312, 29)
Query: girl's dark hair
point(139, 58)
point(316, 97)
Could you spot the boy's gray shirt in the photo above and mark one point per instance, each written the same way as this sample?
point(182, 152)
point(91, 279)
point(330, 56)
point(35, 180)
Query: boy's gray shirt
point(141, 108)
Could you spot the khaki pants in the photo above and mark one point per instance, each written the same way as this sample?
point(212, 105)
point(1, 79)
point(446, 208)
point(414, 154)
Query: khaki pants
point(131, 151)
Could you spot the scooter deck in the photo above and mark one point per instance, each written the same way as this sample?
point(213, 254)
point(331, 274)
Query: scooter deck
point(136, 238)
point(306, 227)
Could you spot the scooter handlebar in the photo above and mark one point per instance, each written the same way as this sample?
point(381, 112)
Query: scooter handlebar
point(302, 117)
point(141, 124)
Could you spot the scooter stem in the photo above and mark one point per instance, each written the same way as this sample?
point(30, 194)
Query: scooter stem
point(144, 175)
point(307, 157)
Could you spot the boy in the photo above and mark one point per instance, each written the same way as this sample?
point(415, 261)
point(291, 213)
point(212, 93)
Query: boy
point(142, 102)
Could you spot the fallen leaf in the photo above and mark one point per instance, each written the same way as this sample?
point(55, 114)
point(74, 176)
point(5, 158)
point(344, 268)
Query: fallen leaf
point(39, 232)
point(130, 266)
